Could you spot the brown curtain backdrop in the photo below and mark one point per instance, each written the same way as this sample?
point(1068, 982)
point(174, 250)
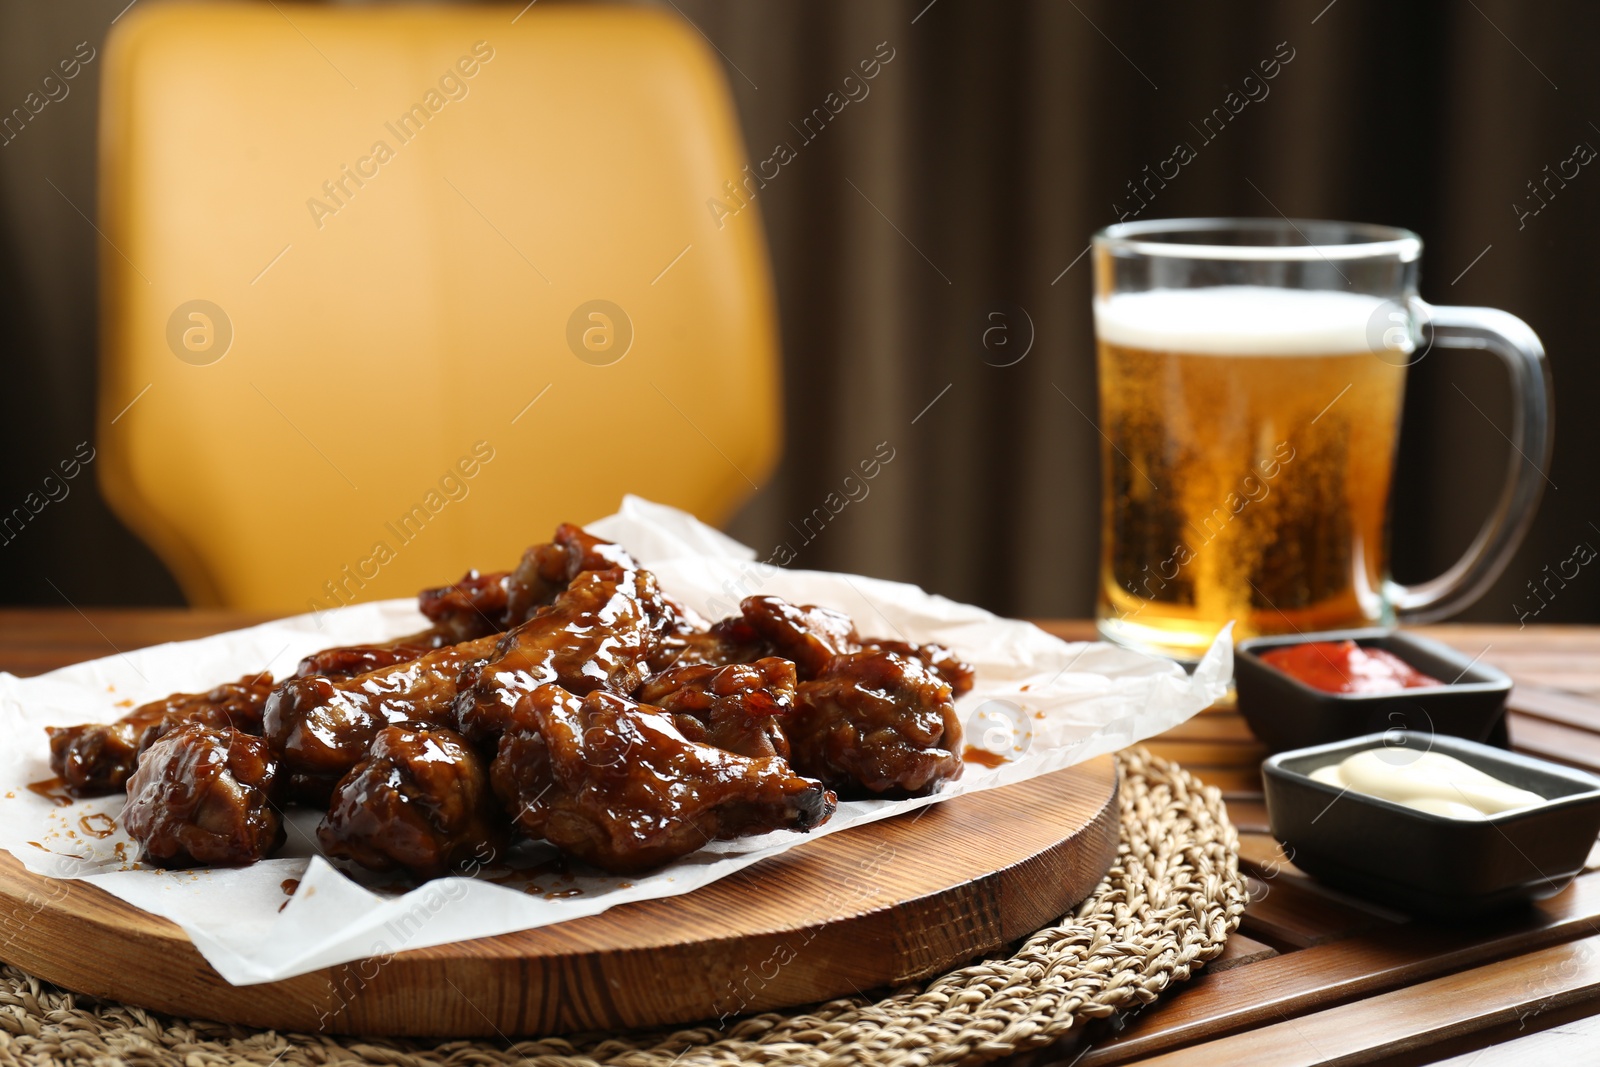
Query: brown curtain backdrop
point(964, 180)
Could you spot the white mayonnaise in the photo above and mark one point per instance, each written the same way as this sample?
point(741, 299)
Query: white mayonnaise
point(1428, 781)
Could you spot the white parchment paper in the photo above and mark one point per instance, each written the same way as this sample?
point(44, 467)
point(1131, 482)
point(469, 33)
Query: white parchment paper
point(1041, 703)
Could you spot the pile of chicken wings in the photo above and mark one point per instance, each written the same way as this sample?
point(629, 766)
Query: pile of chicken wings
point(569, 700)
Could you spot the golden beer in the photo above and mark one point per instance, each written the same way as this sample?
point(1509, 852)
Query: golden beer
point(1249, 442)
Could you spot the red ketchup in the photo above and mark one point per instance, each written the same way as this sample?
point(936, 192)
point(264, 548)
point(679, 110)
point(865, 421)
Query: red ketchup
point(1346, 667)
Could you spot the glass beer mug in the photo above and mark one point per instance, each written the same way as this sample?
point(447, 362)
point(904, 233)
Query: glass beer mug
point(1251, 378)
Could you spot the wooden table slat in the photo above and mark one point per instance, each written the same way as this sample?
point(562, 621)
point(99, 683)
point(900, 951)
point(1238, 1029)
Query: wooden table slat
point(1566, 1043)
point(1286, 913)
point(1542, 702)
point(1248, 814)
point(1294, 983)
point(1553, 741)
point(1411, 1018)
point(1207, 753)
point(1225, 729)
point(1239, 951)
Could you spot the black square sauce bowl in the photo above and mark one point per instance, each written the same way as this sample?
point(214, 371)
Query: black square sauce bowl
point(1431, 865)
point(1286, 713)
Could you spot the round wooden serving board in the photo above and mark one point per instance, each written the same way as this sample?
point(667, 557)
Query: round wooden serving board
point(873, 906)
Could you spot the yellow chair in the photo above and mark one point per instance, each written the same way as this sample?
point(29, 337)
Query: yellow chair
point(389, 292)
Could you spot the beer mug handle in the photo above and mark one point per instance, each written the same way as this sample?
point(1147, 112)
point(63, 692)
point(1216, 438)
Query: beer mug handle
point(1518, 346)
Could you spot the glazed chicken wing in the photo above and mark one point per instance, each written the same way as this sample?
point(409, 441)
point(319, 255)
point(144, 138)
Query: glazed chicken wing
point(98, 758)
point(809, 635)
point(324, 726)
point(471, 608)
point(689, 641)
point(420, 802)
point(618, 785)
point(738, 708)
point(876, 723)
point(201, 795)
point(812, 636)
point(347, 661)
point(480, 604)
point(945, 663)
point(476, 605)
point(596, 635)
point(548, 569)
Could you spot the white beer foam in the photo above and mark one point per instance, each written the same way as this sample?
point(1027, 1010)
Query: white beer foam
point(1243, 320)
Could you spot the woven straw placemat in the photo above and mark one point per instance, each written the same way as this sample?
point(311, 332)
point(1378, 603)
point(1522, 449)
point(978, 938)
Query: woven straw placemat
point(1165, 908)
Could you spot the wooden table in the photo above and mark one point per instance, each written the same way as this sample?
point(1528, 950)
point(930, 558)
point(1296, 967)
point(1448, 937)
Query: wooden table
point(1313, 976)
